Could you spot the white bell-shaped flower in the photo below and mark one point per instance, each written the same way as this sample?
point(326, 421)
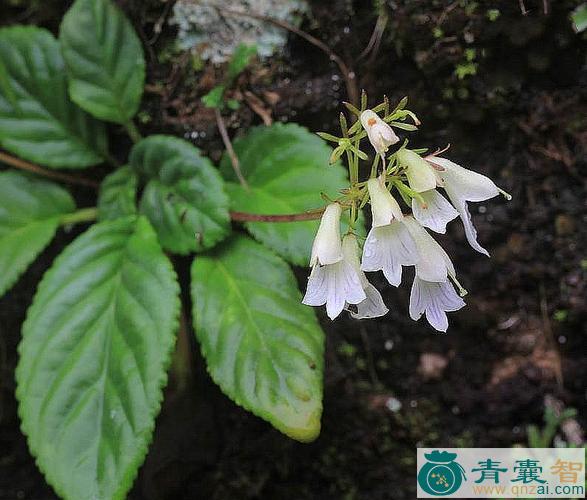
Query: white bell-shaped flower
point(434, 299)
point(372, 306)
point(433, 263)
point(464, 185)
point(327, 247)
point(384, 207)
point(420, 175)
point(433, 211)
point(334, 279)
point(380, 134)
point(388, 246)
point(335, 285)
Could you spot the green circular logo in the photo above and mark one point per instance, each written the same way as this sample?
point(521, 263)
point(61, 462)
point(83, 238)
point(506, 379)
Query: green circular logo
point(441, 475)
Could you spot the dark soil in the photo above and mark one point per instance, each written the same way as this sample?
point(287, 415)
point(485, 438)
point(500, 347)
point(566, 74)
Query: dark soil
point(518, 346)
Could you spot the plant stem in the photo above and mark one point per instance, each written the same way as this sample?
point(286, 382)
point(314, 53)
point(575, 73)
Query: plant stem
point(133, 131)
point(29, 167)
point(113, 162)
point(82, 215)
point(89, 214)
point(247, 217)
point(181, 364)
point(236, 166)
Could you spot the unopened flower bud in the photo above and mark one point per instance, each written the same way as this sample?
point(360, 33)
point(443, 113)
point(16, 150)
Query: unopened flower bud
point(380, 134)
point(384, 207)
point(420, 175)
point(327, 247)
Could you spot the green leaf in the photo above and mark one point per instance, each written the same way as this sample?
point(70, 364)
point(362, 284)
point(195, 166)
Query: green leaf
point(96, 345)
point(30, 210)
point(104, 60)
point(286, 168)
point(213, 99)
point(118, 193)
point(262, 346)
point(579, 18)
point(38, 122)
point(184, 197)
point(240, 60)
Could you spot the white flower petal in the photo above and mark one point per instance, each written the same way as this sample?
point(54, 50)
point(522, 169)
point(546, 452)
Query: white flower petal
point(388, 248)
point(327, 248)
point(470, 231)
point(317, 288)
point(384, 207)
point(345, 288)
point(420, 174)
point(433, 263)
point(334, 285)
point(437, 319)
point(436, 213)
point(380, 134)
point(434, 299)
point(372, 307)
point(464, 183)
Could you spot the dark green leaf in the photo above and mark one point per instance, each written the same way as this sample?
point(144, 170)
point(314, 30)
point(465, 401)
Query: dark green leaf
point(118, 193)
point(30, 210)
point(96, 345)
point(286, 168)
point(104, 60)
point(262, 346)
point(184, 197)
point(38, 122)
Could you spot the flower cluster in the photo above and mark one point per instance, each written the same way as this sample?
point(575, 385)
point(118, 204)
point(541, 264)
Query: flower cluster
point(395, 239)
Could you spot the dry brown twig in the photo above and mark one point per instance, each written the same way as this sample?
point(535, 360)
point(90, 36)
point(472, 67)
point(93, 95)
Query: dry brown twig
point(236, 166)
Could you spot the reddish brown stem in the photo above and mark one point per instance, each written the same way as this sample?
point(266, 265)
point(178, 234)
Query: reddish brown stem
point(235, 216)
point(59, 176)
point(247, 217)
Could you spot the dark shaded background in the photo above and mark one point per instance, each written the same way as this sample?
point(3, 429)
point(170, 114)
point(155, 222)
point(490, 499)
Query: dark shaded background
point(390, 384)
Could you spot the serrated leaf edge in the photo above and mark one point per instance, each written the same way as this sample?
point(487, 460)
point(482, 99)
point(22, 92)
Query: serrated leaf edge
point(129, 477)
point(303, 436)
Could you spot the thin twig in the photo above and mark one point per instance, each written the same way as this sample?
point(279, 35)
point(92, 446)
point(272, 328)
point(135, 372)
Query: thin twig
point(256, 105)
point(347, 73)
point(247, 217)
point(376, 36)
point(158, 26)
point(522, 7)
point(25, 165)
point(444, 14)
point(236, 166)
point(235, 216)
